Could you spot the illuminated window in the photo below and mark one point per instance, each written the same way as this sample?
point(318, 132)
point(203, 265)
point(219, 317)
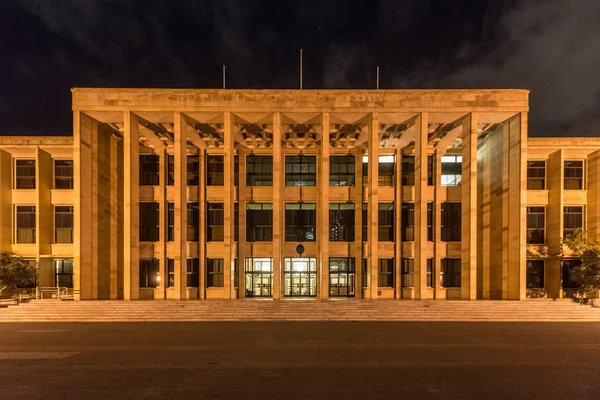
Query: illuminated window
point(451, 170)
point(300, 171)
point(386, 170)
point(341, 170)
point(341, 222)
point(25, 224)
point(63, 224)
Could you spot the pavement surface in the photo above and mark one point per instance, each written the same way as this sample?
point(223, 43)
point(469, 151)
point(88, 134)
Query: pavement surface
point(319, 360)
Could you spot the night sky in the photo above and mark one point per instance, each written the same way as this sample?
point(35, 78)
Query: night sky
point(549, 47)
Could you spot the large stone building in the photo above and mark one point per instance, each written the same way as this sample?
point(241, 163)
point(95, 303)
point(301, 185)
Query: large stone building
point(199, 194)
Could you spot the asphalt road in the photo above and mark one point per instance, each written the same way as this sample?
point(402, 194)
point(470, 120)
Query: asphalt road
point(300, 361)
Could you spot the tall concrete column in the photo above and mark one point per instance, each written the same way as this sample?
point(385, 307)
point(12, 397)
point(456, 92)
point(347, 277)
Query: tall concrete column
point(399, 290)
point(438, 246)
point(242, 193)
point(554, 222)
point(202, 223)
point(180, 205)
point(421, 143)
point(162, 227)
point(373, 208)
point(228, 204)
point(131, 208)
point(358, 237)
point(323, 182)
point(592, 213)
point(5, 202)
point(469, 209)
point(484, 193)
point(278, 227)
point(116, 209)
point(44, 208)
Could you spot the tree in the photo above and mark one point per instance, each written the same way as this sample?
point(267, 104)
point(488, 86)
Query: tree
point(15, 271)
point(587, 275)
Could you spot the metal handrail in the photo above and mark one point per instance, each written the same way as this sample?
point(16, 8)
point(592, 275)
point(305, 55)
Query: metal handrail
point(59, 292)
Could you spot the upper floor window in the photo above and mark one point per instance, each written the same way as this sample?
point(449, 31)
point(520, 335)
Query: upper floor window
point(236, 222)
point(215, 171)
point(341, 222)
point(385, 276)
point(63, 224)
point(451, 222)
point(259, 222)
point(215, 220)
point(430, 232)
point(536, 175)
point(63, 174)
point(431, 170)
point(215, 268)
point(574, 175)
point(25, 224)
point(193, 222)
point(193, 170)
point(430, 272)
point(386, 171)
point(536, 225)
point(386, 222)
point(408, 170)
point(170, 221)
point(408, 222)
point(300, 171)
point(451, 170)
point(407, 276)
point(149, 175)
point(451, 273)
point(300, 222)
point(341, 170)
point(24, 174)
point(236, 170)
point(170, 170)
point(573, 219)
point(149, 222)
point(365, 221)
point(259, 170)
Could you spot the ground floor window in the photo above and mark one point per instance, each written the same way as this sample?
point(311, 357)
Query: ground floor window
point(386, 272)
point(535, 274)
point(408, 272)
point(193, 272)
point(451, 272)
point(430, 272)
point(170, 272)
point(63, 273)
point(259, 277)
point(342, 274)
point(214, 272)
point(149, 272)
point(300, 277)
point(567, 273)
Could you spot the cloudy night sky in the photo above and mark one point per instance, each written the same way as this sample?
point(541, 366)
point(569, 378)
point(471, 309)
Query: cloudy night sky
point(549, 47)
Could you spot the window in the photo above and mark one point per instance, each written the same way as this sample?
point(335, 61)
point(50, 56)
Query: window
point(430, 272)
point(300, 222)
point(341, 277)
point(365, 264)
point(365, 170)
point(386, 171)
point(300, 171)
point(193, 222)
point(193, 272)
point(259, 171)
point(450, 272)
point(408, 170)
point(236, 222)
point(259, 222)
point(236, 273)
point(25, 224)
point(341, 170)
point(214, 222)
point(536, 175)
point(408, 222)
point(170, 169)
point(214, 272)
point(25, 174)
point(535, 274)
point(149, 221)
point(430, 233)
point(386, 272)
point(63, 224)
point(451, 222)
point(215, 171)
point(63, 274)
point(568, 267)
point(386, 222)
point(341, 222)
point(536, 217)
point(170, 221)
point(149, 175)
point(236, 170)
point(430, 170)
point(573, 219)
point(170, 272)
point(408, 272)
point(149, 272)
point(573, 175)
point(365, 222)
point(193, 170)
point(451, 170)
point(63, 174)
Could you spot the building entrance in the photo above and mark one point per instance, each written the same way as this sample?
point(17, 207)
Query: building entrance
point(341, 277)
point(259, 277)
point(300, 277)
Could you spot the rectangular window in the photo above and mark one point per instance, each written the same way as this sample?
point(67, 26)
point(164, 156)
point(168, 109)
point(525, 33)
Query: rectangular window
point(300, 171)
point(430, 272)
point(573, 219)
point(387, 174)
point(25, 224)
point(386, 272)
point(193, 222)
point(63, 174)
point(170, 272)
point(568, 267)
point(365, 263)
point(193, 170)
point(408, 170)
point(407, 276)
point(214, 272)
point(365, 222)
point(149, 222)
point(300, 222)
point(430, 232)
point(170, 222)
point(451, 222)
point(408, 222)
point(341, 170)
point(431, 170)
point(215, 219)
point(386, 222)
point(236, 222)
point(63, 275)
point(365, 170)
point(24, 174)
point(573, 175)
point(149, 269)
point(149, 167)
point(259, 170)
point(259, 222)
point(536, 225)
point(450, 272)
point(535, 274)
point(536, 175)
point(170, 169)
point(341, 222)
point(215, 171)
point(451, 170)
point(236, 170)
point(193, 272)
point(63, 224)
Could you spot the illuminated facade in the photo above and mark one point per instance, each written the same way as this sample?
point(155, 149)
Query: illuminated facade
point(199, 194)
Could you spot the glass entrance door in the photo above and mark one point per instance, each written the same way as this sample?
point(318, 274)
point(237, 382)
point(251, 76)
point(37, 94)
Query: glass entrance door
point(341, 277)
point(259, 277)
point(300, 277)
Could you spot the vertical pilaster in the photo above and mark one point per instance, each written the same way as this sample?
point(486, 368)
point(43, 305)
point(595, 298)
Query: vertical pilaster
point(323, 182)
point(438, 245)
point(180, 205)
point(373, 208)
point(114, 219)
point(131, 208)
point(242, 190)
point(5, 202)
point(399, 290)
point(278, 232)
point(554, 222)
point(421, 143)
point(162, 227)
point(44, 208)
point(202, 223)
point(228, 204)
point(469, 209)
point(358, 237)
point(593, 196)
point(484, 176)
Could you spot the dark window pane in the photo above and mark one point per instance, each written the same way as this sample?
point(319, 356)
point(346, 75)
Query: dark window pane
point(25, 174)
point(535, 274)
point(259, 170)
point(300, 222)
point(341, 222)
point(451, 222)
point(63, 174)
point(149, 167)
point(215, 171)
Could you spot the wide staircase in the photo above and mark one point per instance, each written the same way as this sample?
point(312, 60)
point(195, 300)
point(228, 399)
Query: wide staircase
point(298, 310)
